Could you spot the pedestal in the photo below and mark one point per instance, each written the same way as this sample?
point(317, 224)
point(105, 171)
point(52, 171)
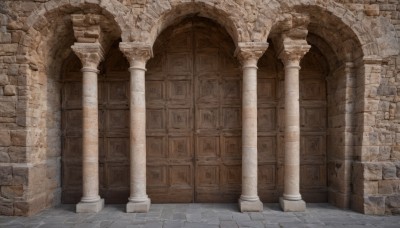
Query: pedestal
point(138, 207)
point(292, 205)
point(250, 206)
point(91, 207)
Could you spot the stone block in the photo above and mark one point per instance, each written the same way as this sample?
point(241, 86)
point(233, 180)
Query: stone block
point(393, 201)
point(370, 187)
point(292, 205)
point(5, 138)
point(30, 207)
point(12, 191)
point(138, 207)
point(21, 175)
point(8, 109)
point(388, 187)
point(10, 90)
point(374, 205)
point(4, 156)
point(250, 206)
point(372, 171)
point(3, 80)
point(6, 175)
point(6, 207)
point(92, 207)
point(389, 171)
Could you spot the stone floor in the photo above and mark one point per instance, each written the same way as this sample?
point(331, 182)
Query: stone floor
point(201, 215)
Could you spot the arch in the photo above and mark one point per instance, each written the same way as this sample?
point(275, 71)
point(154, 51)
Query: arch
point(39, 19)
point(41, 50)
point(335, 21)
point(158, 16)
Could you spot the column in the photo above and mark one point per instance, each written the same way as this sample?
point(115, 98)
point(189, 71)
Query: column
point(137, 54)
point(90, 54)
point(291, 55)
point(248, 54)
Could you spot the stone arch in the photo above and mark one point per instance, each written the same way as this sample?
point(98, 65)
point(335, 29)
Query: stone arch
point(351, 50)
point(158, 16)
point(41, 50)
point(330, 16)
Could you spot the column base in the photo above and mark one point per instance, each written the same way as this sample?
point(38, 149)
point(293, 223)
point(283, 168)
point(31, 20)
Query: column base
point(250, 206)
point(92, 207)
point(138, 207)
point(292, 205)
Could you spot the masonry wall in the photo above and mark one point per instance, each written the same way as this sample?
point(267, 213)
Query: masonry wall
point(36, 35)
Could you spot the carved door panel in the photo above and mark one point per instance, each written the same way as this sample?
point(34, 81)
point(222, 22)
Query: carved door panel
point(313, 123)
point(72, 134)
point(193, 98)
point(218, 118)
point(169, 120)
point(114, 129)
point(269, 120)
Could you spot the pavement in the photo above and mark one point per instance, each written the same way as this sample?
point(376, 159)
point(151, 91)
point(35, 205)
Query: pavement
point(199, 216)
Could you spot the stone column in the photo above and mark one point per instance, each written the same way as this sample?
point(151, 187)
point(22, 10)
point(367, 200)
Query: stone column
point(137, 54)
point(291, 55)
point(248, 54)
point(90, 54)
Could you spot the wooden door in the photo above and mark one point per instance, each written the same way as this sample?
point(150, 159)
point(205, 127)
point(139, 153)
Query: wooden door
point(193, 95)
point(313, 124)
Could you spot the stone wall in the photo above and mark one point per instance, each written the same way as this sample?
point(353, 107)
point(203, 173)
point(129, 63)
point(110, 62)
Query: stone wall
point(36, 35)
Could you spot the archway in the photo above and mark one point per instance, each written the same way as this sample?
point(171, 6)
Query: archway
point(193, 99)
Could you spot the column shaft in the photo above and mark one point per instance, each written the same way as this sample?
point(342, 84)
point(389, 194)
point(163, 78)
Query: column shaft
point(292, 132)
point(90, 54)
point(138, 133)
point(90, 136)
point(249, 132)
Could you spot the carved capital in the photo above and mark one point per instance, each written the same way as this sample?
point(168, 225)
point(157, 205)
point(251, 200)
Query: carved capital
point(90, 54)
point(250, 52)
point(86, 27)
point(136, 52)
point(293, 50)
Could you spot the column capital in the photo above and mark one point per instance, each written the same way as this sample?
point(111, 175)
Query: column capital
point(248, 53)
point(136, 51)
point(293, 50)
point(90, 54)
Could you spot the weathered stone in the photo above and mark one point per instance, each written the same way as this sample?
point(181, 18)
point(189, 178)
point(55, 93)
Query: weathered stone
point(374, 205)
point(5, 138)
point(6, 175)
point(12, 192)
point(355, 122)
point(7, 109)
point(389, 171)
point(10, 90)
point(372, 10)
point(3, 79)
point(372, 171)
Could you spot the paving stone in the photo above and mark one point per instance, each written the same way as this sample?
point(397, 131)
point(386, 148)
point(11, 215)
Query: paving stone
point(173, 224)
point(193, 217)
point(228, 224)
point(179, 216)
point(153, 225)
point(199, 225)
point(255, 224)
point(213, 215)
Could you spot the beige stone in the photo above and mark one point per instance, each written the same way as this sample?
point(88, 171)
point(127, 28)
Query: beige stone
point(358, 40)
point(137, 54)
point(10, 90)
